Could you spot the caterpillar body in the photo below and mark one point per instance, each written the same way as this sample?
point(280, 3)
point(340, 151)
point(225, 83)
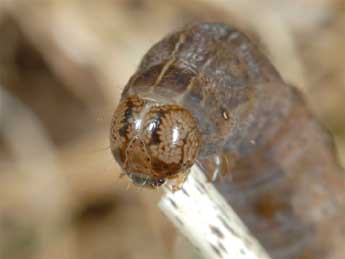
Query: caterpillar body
point(207, 95)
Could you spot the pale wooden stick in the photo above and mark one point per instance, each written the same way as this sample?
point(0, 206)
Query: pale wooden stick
point(204, 217)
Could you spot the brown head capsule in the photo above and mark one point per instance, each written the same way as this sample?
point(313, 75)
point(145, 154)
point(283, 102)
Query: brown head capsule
point(278, 167)
point(152, 142)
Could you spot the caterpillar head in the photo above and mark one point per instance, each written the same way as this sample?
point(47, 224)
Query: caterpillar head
point(152, 142)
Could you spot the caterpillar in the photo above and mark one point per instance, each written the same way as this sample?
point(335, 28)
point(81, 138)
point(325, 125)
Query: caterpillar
point(206, 95)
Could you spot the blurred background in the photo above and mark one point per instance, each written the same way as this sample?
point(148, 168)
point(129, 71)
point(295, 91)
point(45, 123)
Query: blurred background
point(63, 65)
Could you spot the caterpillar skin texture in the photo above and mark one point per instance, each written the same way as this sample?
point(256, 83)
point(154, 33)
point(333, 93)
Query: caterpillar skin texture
point(207, 95)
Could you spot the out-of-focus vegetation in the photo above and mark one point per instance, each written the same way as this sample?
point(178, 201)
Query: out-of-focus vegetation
point(63, 65)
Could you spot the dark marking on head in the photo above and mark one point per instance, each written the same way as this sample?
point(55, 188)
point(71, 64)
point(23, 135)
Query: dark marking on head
point(123, 130)
point(127, 114)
